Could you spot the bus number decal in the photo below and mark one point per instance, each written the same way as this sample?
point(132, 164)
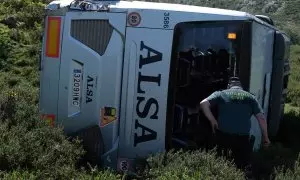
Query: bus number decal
point(166, 20)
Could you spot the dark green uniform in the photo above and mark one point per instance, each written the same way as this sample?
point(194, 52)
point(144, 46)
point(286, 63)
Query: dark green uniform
point(235, 107)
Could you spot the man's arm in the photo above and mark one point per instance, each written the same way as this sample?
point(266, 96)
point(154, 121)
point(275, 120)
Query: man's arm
point(263, 124)
point(205, 107)
point(258, 112)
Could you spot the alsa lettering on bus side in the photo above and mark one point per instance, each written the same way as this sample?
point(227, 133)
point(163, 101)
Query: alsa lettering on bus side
point(89, 89)
point(143, 111)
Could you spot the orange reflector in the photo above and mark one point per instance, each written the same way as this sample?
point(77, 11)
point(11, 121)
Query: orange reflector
point(49, 118)
point(53, 37)
point(231, 36)
point(108, 115)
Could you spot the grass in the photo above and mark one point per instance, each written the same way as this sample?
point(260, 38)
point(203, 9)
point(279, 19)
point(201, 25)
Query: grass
point(29, 149)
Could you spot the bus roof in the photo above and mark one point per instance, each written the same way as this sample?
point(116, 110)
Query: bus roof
point(175, 7)
point(124, 6)
point(142, 5)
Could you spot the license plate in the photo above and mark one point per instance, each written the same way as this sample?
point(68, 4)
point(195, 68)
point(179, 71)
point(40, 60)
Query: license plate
point(76, 86)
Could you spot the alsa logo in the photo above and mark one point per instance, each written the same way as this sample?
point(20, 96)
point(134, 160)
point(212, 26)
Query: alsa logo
point(143, 111)
point(89, 89)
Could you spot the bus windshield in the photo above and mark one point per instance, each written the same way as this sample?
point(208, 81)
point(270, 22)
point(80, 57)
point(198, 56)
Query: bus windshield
point(222, 39)
point(204, 56)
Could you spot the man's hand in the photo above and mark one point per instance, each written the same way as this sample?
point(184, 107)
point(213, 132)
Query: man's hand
point(262, 122)
point(266, 142)
point(214, 126)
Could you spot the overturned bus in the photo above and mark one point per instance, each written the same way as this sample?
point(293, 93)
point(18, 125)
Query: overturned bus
point(127, 76)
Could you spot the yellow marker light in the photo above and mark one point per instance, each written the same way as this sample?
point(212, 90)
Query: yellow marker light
point(53, 37)
point(231, 36)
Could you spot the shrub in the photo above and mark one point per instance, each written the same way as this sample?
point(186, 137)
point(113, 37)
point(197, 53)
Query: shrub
point(266, 161)
point(5, 45)
point(289, 132)
point(14, 175)
point(82, 175)
point(289, 174)
point(191, 165)
point(28, 143)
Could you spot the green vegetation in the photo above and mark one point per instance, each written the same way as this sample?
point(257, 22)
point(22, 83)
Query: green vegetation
point(31, 150)
point(294, 87)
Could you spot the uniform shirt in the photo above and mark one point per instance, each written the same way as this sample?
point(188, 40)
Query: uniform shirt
point(235, 107)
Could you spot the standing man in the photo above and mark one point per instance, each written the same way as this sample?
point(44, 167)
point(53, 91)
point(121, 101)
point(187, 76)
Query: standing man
point(235, 108)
